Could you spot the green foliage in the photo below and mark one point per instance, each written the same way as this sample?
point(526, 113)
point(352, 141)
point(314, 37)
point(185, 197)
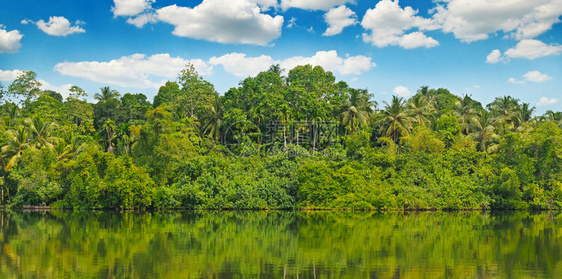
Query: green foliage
point(305, 140)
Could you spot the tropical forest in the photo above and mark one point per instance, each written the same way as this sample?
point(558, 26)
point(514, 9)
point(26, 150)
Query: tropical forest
point(283, 139)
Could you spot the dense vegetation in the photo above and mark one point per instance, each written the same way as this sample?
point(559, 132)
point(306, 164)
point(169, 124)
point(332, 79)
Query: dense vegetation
point(302, 140)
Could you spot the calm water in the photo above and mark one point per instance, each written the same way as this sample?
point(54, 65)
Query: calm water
point(280, 245)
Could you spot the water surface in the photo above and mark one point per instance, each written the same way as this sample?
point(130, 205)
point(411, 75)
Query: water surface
point(280, 244)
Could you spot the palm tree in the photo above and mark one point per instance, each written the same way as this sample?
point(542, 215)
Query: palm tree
point(465, 112)
point(17, 142)
point(505, 109)
point(66, 149)
point(484, 133)
point(525, 114)
point(421, 109)
point(41, 132)
point(357, 108)
point(395, 119)
point(110, 129)
point(13, 112)
point(106, 94)
point(213, 118)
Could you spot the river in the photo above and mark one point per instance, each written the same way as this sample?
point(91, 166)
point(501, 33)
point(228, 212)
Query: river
point(280, 244)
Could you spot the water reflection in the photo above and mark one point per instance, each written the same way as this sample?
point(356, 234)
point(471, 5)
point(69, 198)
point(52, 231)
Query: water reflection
point(279, 244)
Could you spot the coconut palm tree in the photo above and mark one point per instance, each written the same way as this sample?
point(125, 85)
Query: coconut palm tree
point(66, 149)
point(213, 118)
point(17, 142)
point(504, 110)
point(106, 94)
point(524, 115)
point(484, 133)
point(421, 109)
point(357, 108)
point(13, 112)
point(110, 129)
point(465, 113)
point(41, 132)
point(395, 119)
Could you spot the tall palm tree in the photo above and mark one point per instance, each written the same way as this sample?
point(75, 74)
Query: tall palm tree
point(106, 94)
point(66, 149)
point(17, 142)
point(358, 108)
point(213, 119)
point(41, 132)
point(484, 133)
point(111, 130)
point(525, 114)
point(465, 112)
point(13, 112)
point(504, 110)
point(421, 109)
point(395, 119)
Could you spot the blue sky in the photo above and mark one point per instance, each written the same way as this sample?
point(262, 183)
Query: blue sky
point(485, 48)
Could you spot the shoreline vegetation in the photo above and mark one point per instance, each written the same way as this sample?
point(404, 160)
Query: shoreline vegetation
point(297, 141)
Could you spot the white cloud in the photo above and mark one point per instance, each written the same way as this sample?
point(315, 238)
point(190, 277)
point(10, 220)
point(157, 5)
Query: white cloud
point(330, 61)
point(130, 7)
point(532, 49)
point(401, 91)
point(9, 41)
point(265, 5)
point(313, 4)
point(9, 75)
point(25, 21)
point(475, 19)
point(223, 21)
point(417, 39)
point(544, 101)
point(494, 57)
point(514, 81)
point(64, 90)
point(137, 70)
point(388, 22)
point(58, 26)
point(242, 66)
point(338, 19)
point(536, 76)
point(140, 20)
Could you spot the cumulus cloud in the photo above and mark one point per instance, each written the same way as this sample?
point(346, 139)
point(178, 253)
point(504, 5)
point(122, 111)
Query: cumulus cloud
point(402, 91)
point(223, 21)
point(9, 41)
point(514, 81)
point(265, 5)
point(329, 60)
point(475, 19)
point(241, 65)
point(140, 20)
point(130, 7)
point(59, 26)
point(494, 57)
point(313, 4)
point(9, 75)
point(137, 70)
point(338, 19)
point(388, 22)
point(544, 101)
point(64, 90)
point(536, 76)
point(532, 49)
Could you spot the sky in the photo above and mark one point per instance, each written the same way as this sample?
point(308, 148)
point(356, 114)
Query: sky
point(482, 48)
